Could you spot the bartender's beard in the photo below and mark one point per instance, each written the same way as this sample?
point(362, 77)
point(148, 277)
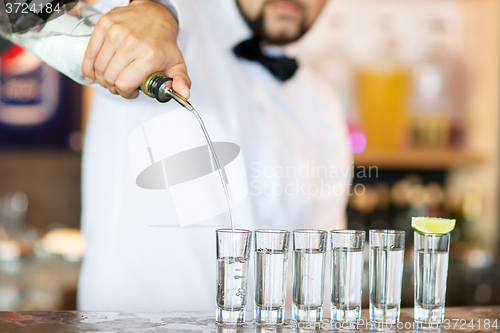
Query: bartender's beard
point(258, 27)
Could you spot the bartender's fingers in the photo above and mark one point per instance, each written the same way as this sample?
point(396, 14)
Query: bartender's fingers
point(102, 62)
point(130, 78)
point(94, 47)
point(181, 82)
point(116, 65)
point(113, 90)
point(121, 59)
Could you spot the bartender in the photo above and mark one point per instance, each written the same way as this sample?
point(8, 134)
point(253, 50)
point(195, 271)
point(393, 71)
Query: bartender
point(233, 58)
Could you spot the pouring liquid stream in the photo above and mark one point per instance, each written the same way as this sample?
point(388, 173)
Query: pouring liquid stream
point(159, 86)
point(217, 164)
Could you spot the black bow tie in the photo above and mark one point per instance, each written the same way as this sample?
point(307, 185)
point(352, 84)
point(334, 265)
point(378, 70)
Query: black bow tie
point(282, 67)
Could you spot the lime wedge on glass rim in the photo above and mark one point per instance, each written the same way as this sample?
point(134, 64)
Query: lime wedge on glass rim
point(432, 225)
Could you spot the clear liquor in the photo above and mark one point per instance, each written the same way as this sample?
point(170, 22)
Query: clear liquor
point(270, 283)
point(347, 274)
point(216, 165)
point(386, 274)
point(271, 268)
point(232, 283)
point(431, 270)
point(308, 284)
point(233, 255)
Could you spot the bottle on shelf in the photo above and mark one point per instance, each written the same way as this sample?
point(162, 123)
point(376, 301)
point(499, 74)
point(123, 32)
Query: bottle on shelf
point(431, 93)
point(383, 86)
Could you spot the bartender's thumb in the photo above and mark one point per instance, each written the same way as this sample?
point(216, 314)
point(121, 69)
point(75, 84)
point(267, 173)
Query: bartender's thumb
point(181, 81)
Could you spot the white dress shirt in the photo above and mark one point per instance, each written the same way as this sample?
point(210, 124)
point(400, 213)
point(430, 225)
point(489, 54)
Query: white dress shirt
point(293, 140)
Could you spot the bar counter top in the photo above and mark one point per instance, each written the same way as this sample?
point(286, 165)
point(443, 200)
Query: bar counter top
point(458, 319)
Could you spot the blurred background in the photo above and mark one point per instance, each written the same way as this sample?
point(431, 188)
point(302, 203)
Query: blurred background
point(419, 81)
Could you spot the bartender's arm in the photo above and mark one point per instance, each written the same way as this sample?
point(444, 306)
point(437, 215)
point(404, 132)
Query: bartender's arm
point(129, 43)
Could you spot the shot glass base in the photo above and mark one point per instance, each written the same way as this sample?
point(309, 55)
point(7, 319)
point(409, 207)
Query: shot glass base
point(384, 315)
point(429, 316)
point(307, 315)
point(269, 317)
point(227, 317)
point(351, 315)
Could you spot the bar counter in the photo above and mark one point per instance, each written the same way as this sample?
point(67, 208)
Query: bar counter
point(458, 319)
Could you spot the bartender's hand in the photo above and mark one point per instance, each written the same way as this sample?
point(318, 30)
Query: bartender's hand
point(130, 43)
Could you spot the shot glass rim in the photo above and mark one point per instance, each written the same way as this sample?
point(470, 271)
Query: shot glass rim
point(271, 231)
point(236, 231)
point(347, 232)
point(431, 234)
point(387, 231)
point(309, 231)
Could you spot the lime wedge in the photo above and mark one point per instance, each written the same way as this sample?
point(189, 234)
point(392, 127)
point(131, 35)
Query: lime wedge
point(432, 225)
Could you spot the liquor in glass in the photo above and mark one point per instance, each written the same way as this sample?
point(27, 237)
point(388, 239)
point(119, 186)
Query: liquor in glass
point(233, 255)
point(386, 275)
point(308, 265)
point(431, 271)
point(347, 274)
point(271, 267)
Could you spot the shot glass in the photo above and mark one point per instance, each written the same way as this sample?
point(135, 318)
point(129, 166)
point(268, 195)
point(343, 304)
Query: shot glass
point(347, 274)
point(233, 256)
point(386, 275)
point(308, 265)
point(431, 271)
point(271, 268)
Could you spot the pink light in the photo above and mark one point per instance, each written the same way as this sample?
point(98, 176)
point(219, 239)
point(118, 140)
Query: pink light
point(357, 142)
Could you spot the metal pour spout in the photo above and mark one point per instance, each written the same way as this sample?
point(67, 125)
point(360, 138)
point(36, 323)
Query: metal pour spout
point(159, 86)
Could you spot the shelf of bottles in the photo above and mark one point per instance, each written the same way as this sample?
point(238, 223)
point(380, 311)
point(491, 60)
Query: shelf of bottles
point(402, 78)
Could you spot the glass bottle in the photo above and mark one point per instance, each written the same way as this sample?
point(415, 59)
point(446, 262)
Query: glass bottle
point(431, 98)
point(382, 94)
point(61, 42)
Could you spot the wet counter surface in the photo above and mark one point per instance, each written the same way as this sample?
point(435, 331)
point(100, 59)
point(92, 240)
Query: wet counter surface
point(459, 319)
